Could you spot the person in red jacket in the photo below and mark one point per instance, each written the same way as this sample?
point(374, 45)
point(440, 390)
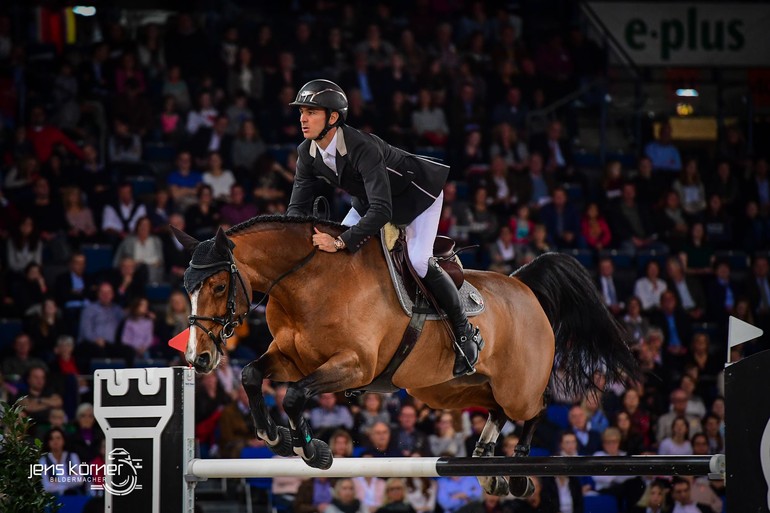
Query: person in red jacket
point(45, 137)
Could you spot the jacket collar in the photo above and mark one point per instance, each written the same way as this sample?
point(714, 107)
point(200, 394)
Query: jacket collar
point(342, 148)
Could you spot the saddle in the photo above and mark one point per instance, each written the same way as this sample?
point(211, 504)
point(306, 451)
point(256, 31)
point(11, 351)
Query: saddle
point(406, 282)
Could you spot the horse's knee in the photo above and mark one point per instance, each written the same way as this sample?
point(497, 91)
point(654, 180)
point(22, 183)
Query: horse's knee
point(251, 377)
point(294, 402)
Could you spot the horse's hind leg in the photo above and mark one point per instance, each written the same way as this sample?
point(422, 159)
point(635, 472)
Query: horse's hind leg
point(522, 486)
point(340, 372)
point(493, 485)
point(277, 438)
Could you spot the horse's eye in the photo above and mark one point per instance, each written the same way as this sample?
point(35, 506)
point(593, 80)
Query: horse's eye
point(219, 288)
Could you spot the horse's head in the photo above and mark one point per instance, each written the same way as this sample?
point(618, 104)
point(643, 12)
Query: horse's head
point(219, 294)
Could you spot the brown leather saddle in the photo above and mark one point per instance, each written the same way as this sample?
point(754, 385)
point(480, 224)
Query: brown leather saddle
point(443, 251)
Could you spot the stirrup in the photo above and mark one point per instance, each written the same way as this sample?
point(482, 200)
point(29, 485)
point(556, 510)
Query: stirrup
point(462, 357)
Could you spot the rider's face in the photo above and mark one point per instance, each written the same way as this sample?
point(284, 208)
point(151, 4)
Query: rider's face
point(312, 121)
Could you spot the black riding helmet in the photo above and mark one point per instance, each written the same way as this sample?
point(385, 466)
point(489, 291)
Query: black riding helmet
point(326, 95)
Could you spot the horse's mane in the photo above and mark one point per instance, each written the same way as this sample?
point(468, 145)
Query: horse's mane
point(278, 218)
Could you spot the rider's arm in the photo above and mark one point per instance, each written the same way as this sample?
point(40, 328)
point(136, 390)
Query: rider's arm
point(301, 201)
point(370, 163)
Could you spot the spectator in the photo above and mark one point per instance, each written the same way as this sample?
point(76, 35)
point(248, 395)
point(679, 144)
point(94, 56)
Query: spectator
point(248, 147)
point(134, 108)
point(653, 500)
point(25, 247)
point(486, 504)
point(59, 479)
point(594, 228)
point(121, 218)
point(589, 441)
point(648, 186)
point(44, 327)
point(371, 413)
point(662, 152)
point(698, 254)
point(562, 221)
point(210, 400)
point(455, 492)
point(395, 497)
point(597, 418)
point(562, 494)
point(690, 189)
point(177, 311)
point(421, 492)
point(246, 78)
point(215, 138)
point(711, 428)
point(635, 323)
point(138, 328)
point(340, 443)
point(726, 186)
point(717, 223)
point(151, 51)
point(31, 289)
point(687, 289)
point(40, 398)
point(683, 503)
point(145, 248)
point(329, 415)
point(672, 221)
point(346, 497)
point(99, 323)
point(202, 217)
point(467, 113)
point(236, 211)
point(220, 180)
point(503, 252)
point(314, 496)
point(429, 121)
point(205, 116)
point(64, 365)
point(447, 441)
point(614, 288)
point(539, 244)
point(379, 441)
point(176, 87)
point(535, 503)
point(507, 144)
point(124, 146)
point(632, 227)
point(676, 328)
point(183, 181)
point(650, 287)
point(722, 293)
point(45, 137)
point(626, 489)
point(535, 187)
point(631, 442)
point(500, 188)
point(632, 406)
point(408, 439)
point(87, 436)
point(679, 441)
point(128, 280)
point(236, 427)
point(678, 400)
point(511, 112)
point(80, 220)
point(521, 225)
point(20, 362)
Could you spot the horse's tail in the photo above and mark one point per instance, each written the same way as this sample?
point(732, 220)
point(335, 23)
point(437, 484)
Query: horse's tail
point(588, 337)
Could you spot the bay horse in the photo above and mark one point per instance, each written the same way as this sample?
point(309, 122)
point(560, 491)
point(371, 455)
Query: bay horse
point(336, 322)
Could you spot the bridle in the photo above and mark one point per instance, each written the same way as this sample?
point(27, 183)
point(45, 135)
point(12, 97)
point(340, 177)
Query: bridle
point(232, 320)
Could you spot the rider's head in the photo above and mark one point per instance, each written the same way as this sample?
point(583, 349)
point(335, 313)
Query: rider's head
point(323, 105)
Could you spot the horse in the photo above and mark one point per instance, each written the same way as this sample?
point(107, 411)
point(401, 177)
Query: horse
point(336, 322)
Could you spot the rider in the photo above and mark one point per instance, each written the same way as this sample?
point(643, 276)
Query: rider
point(387, 185)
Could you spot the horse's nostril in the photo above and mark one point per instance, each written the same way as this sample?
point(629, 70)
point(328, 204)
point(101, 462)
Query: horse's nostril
point(203, 360)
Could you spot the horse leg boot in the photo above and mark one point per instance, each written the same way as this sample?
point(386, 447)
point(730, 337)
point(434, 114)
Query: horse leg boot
point(341, 372)
point(522, 486)
point(493, 485)
point(277, 438)
point(468, 341)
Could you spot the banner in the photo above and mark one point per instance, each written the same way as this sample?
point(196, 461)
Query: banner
point(683, 34)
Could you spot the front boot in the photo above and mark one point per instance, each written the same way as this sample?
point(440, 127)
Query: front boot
point(468, 341)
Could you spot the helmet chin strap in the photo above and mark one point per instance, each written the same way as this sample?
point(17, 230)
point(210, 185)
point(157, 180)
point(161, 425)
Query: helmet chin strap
point(327, 128)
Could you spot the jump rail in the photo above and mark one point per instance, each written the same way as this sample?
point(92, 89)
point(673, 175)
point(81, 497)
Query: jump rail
point(435, 467)
point(148, 418)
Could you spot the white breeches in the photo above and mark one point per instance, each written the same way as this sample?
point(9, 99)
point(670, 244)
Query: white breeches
point(420, 234)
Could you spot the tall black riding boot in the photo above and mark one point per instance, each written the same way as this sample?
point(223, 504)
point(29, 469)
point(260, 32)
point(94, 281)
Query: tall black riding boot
point(468, 341)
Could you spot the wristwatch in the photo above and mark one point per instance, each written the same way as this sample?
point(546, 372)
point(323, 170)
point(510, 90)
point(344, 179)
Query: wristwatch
point(339, 244)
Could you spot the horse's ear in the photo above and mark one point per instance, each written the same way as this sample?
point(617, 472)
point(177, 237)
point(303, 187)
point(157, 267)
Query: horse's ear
point(223, 241)
point(188, 242)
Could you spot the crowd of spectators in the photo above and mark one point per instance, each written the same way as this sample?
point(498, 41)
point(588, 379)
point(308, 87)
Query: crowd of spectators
point(186, 123)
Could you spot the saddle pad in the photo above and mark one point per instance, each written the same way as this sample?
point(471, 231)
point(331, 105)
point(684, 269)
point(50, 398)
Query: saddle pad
point(471, 299)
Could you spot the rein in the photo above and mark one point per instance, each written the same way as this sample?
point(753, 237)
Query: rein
point(231, 321)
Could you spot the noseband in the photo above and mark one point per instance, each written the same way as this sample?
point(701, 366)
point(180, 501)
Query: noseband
point(232, 321)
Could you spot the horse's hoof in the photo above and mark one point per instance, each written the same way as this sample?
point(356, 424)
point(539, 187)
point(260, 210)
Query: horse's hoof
point(283, 447)
point(497, 485)
point(322, 455)
point(521, 487)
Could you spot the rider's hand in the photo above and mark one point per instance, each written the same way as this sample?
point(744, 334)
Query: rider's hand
point(324, 241)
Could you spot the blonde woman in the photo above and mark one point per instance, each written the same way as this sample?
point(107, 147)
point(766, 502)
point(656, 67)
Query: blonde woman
point(80, 219)
point(446, 441)
point(344, 499)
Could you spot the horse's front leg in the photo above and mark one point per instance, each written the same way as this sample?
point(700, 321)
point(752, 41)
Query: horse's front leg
point(277, 438)
point(341, 372)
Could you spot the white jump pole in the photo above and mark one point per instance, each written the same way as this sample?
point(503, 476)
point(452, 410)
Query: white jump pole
point(435, 467)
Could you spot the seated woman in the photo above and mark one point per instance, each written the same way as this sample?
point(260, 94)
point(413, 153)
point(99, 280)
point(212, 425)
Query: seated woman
point(145, 248)
point(650, 287)
point(595, 229)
